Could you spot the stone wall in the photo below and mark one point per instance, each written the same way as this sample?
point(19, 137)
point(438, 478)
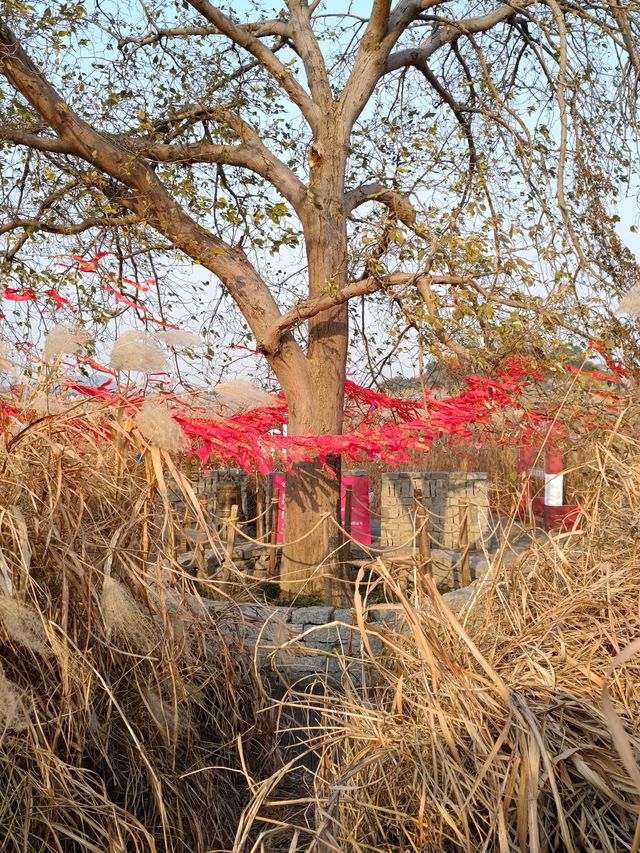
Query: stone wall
point(443, 495)
point(295, 644)
point(300, 642)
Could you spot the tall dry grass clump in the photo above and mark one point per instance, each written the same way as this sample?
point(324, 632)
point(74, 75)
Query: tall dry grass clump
point(515, 728)
point(126, 722)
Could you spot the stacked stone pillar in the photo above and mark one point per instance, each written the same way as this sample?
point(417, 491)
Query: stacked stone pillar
point(443, 494)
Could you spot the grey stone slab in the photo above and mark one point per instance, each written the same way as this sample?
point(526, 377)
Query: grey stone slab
point(309, 664)
point(444, 558)
point(258, 611)
point(479, 566)
point(458, 598)
point(313, 615)
point(343, 616)
point(386, 616)
point(331, 634)
point(269, 632)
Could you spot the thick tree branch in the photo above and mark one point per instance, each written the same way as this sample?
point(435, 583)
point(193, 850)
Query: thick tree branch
point(384, 28)
point(252, 155)
point(621, 17)
point(398, 202)
point(31, 140)
point(245, 39)
point(31, 226)
point(150, 198)
point(375, 59)
point(407, 11)
point(306, 44)
point(304, 311)
point(73, 228)
point(447, 33)
point(377, 26)
point(259, 30)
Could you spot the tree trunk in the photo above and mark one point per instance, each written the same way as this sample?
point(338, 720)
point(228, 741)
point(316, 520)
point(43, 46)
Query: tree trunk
point(312, 508)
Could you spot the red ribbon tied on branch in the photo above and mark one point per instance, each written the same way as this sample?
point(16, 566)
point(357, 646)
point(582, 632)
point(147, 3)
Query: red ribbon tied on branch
point(18, 295)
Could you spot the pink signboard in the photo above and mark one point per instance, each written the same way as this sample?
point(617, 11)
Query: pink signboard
point(360, 516)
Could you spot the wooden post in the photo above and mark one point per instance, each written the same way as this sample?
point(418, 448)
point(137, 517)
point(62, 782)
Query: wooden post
point(340, 594)
point(273, 538)
point(465, 568)
point(186, 523)
point(422, 534)
point(260, 509)
point(329, 581)
point(230, 538)
point(230, 533)
point(200, 546)
point(348, 504)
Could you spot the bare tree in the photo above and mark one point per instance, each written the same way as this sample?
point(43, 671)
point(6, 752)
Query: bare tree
point(475, 137)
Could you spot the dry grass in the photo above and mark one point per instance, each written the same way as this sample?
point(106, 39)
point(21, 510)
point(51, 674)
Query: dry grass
point(515, 729)
point(126, 723)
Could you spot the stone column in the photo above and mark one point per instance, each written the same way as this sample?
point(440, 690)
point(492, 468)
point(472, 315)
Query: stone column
point(442, 494)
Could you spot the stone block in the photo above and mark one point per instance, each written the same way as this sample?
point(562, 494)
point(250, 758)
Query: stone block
point(313, 615)
point(386, 615)
point(443, 565)
point(343, 616)
point(312, 664)
point(444, 557)
point(479, 565)
point(458, 598)
point(267, 633)
point(331, 635)
point(263, 612)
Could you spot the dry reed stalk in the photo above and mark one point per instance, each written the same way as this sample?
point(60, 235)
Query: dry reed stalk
point(120, 704)
point(493, 736)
